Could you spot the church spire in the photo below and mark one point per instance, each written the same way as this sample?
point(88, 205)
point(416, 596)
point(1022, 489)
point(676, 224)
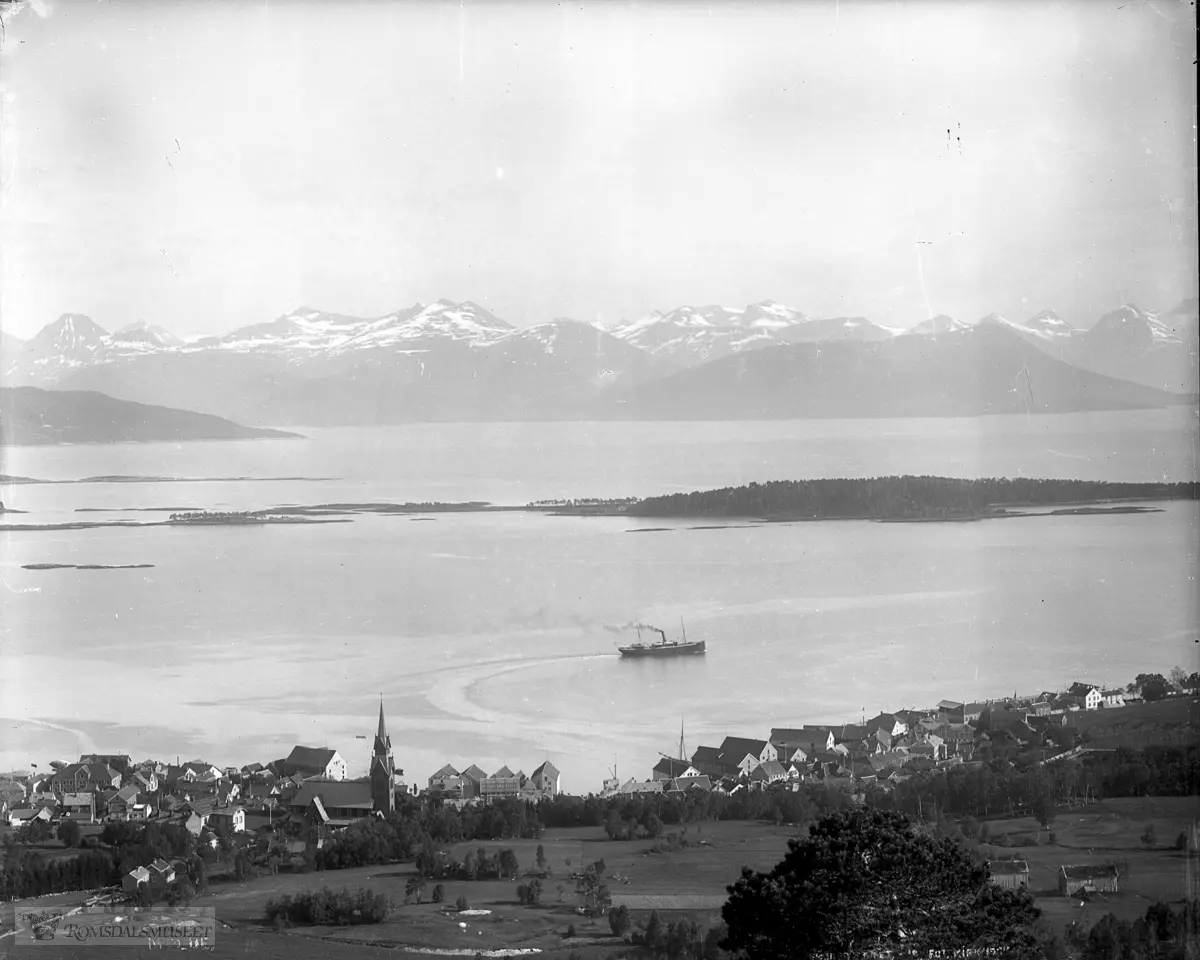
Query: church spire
point(383, 769)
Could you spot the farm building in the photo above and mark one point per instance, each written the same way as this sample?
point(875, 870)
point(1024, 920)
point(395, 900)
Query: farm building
point(1090, 878)
point(1013, 874)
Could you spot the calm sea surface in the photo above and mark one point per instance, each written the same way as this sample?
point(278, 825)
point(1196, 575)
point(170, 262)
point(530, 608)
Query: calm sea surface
point(492, 636)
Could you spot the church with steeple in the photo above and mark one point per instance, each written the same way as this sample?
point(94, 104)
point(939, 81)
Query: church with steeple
point(383, 770)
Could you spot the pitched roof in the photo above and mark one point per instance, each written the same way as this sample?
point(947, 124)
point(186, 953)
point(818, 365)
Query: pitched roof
point(706, 755)
point(1008, 868)
point(1088, 871)
point(642, 786)
point(474, 773)
point(310, 758)
point(851, 731)
point(336, 794)
point(446, 771)
point(949, 705)
point(689, 783)
point(503, 773)
point(670, 767)
point(736, 748)
point(546, 768)
point(772, 768)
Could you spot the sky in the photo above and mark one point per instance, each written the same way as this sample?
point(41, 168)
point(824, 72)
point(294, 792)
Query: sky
point(205, 165)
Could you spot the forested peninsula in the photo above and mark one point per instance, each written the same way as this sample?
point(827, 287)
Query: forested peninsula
point(909, 498)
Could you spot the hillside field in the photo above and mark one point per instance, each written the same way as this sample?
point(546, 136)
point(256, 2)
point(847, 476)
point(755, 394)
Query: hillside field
point(1099, 833)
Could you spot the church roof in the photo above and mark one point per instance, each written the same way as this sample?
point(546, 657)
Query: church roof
point(339, 794)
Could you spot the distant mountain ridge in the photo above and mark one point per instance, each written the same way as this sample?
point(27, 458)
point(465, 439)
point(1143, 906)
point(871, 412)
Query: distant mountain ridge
point(969, 372)
point(29, 415)
point(458, 361)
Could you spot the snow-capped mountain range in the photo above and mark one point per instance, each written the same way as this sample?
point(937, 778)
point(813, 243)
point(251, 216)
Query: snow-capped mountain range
point(446, 359)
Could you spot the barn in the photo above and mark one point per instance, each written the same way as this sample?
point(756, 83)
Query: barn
point(1090, 878)
point(1012, 874)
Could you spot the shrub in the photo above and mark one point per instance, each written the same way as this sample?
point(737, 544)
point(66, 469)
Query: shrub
point(570, 931)
point(461, 904)
point(530, 893)
point(439, 893)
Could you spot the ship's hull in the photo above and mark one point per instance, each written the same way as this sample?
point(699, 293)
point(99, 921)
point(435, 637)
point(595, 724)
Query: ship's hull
point(664, 650)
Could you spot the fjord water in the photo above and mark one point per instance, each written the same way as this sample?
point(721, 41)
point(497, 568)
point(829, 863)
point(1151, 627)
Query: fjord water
point(492, 636)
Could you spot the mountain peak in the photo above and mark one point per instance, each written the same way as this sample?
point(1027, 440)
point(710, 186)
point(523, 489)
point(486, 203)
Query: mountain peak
point(142, 332)
point(942, 323)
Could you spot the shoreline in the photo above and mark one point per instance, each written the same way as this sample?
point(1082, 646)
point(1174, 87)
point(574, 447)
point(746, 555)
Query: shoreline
point(345, 513)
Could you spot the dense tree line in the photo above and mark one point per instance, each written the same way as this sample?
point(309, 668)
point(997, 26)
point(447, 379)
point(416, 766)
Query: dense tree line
point(898, 498)
point(418, 826)
point(1002, 789)
point(31, 874)
point(1162, 934)
point(1154, 771)
point(328, 907)
point(696, 806)
point(674, 939)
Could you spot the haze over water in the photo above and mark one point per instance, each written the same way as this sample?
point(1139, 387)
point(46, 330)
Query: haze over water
point(491, 636)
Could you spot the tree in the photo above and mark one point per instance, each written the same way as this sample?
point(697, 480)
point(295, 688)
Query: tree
point(1177, 678)
point(618, 920)
point(180, 893)
point(1149, 837)
point(541, 859)
point(1153, 686)
point(35, 831)
point(509, 867)
point(69, 833)
point(869, 879)
point(470, 866)
point(414, 886)
point(592, 891)
point(461, 904)
point(439, 893)
point(241, 866)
